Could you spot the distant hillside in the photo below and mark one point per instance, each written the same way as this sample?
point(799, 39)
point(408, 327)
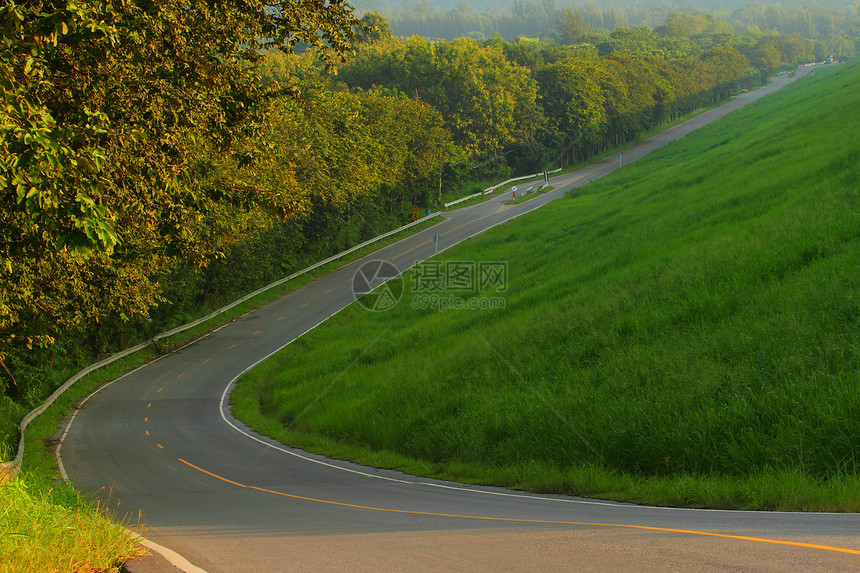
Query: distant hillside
point(684, 331)
point(488, 6)
point(833, 24)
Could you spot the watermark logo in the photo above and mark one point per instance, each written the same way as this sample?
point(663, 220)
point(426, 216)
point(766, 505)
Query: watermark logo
point(377, 285)
point(466, 277)
point(459, 285)
point(441, 302)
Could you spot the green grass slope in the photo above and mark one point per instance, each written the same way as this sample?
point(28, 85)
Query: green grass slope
point(684, 331)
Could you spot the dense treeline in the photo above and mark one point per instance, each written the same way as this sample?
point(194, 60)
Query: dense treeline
point(124, 127)
point(158, 161)
point(561, 101)
point(833, 26)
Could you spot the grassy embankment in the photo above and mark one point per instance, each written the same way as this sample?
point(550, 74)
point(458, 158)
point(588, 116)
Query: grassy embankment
point(685, 332)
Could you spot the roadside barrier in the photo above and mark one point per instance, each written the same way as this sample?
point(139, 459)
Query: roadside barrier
point(13, 467)
point(489, 190)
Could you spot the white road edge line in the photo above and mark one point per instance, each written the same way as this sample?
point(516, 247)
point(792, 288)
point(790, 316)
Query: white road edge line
point(170, 555)
point(283, 449)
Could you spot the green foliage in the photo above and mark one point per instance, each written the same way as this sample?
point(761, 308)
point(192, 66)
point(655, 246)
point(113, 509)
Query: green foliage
point(42, 534)
point(693, 336)
point(487, 102)
point(572, 29)
point(574, 102)
point(377, 28)
point(833, 26)
point(108, 110)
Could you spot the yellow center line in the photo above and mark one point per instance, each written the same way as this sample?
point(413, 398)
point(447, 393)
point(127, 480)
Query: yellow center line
point(181, 375)
point(146, 419)
point(149, 405)
point(329, 291)
point(564, 182)
point(520, 520)
point(159, 390)
point(282, 318)
point(210, 473)
point(464, 224)
point(304, 305)
point(560, 184)
point(443, 234)
point(207, 360)
point(256, 333)
point(147, 432)
point(410, 250)
point(160, 447)
point(232, 347)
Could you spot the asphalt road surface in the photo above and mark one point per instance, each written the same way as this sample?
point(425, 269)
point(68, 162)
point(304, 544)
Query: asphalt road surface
point(161, 443)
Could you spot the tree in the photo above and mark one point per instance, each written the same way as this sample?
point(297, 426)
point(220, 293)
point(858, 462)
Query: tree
point(729, 68)
point(104, 108)
point(573, 103)
point(487, 101)
point(571, 28)
point(766, 57)
point(376, 28)
point(85, 81)
point(795, 49)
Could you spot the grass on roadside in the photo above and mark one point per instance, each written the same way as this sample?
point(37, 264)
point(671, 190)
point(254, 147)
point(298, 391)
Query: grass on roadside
point(40, 487)
point(685, 332)
point(39, 532)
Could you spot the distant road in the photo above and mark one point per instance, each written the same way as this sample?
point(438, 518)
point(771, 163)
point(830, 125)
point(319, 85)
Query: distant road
point(161, 441)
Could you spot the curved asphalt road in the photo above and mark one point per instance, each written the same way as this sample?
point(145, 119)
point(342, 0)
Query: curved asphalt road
point(162, 442)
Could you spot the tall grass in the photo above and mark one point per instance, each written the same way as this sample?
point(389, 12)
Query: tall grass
point(37, 534)
point(685, 331)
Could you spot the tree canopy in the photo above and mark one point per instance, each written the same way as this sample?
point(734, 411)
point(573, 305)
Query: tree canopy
point(106, 108)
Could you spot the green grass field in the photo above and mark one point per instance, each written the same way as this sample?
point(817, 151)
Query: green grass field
point(685, 331)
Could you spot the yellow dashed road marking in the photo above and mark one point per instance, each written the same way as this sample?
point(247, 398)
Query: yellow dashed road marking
point(410, 250)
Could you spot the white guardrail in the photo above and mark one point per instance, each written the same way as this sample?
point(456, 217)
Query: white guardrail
point(11, 468)
point(489, 190)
